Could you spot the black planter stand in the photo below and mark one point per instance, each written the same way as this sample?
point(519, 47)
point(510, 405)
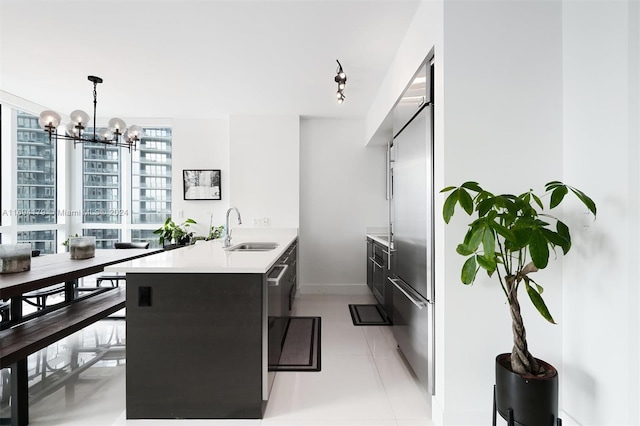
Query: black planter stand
point(525, 401)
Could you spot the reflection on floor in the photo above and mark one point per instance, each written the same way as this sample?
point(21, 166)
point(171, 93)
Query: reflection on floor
point(363, 381)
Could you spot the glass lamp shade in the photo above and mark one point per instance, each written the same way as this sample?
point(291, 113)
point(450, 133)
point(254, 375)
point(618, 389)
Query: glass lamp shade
point(50, 119)
point(104, 135)
point(79, 117)
point(117, 125)
point(71, 130)
point(135, 132)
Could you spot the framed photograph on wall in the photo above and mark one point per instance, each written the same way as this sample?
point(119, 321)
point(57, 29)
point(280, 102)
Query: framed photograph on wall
point(202, 185)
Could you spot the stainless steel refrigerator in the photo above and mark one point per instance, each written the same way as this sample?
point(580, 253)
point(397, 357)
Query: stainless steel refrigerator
point(412, 218)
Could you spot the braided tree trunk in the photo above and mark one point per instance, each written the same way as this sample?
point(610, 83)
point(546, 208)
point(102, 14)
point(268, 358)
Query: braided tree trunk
point(522, 362)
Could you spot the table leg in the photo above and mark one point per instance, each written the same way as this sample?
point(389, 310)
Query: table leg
point(19, 394)
point(15, 309)
point(69, 293)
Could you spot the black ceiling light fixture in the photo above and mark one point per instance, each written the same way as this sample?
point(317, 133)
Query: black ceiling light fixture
point(341, 79)
point(116, 133)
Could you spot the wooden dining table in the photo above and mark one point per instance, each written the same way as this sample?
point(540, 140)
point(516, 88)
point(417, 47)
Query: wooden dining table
point(51, 269)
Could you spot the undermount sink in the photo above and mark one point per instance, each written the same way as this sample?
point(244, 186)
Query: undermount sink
point(253, 247)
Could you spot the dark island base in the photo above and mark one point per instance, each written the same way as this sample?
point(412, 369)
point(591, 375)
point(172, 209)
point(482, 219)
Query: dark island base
point(194, 346)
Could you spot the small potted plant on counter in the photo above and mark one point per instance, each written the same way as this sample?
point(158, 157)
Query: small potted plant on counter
point(171, 235)
point(215, 232)
point(512, 238)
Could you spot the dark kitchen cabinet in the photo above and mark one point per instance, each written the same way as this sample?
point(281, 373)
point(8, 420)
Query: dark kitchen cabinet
point(377, 267)
point(370, 263)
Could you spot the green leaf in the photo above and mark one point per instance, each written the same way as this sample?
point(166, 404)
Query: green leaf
point(563, 231)
point(488, 244)
point(469, 270)
point(465, 200)
point(472, 186)
point(588, 202)
point(552, 185)
point(507, 234)
point(450, 206)
point(485, 206)
point(538, 286)
point(476, 238)
point(447, 189)
point(488, 264)
point(557, 195)
point(538, 201)
point(539, 249)
point(464, 250)
point(522, 238)
point(556, 239)
point(538, 302)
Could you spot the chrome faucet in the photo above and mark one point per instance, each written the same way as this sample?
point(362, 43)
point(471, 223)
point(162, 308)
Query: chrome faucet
point(227, 237)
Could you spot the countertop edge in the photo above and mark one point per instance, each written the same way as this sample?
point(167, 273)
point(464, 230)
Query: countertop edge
point(214, 259)
point(377, 239)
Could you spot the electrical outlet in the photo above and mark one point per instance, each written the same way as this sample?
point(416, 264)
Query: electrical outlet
point(180, 213)
point(265, 221)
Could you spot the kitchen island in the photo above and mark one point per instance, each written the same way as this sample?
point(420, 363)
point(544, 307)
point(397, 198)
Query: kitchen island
point(198, 341)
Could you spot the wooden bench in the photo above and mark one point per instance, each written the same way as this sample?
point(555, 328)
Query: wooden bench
point(21, 340)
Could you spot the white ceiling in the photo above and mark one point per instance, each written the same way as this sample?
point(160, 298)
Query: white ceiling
point(190, 58)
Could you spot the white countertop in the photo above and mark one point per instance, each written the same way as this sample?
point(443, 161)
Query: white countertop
point(211, 257)
point(379, 238)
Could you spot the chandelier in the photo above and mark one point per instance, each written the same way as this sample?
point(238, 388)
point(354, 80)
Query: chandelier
point(115, 134)
point(341, 79)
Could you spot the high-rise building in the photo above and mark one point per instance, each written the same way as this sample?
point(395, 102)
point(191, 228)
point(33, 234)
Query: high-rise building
point(151, 183)
point(36, 182)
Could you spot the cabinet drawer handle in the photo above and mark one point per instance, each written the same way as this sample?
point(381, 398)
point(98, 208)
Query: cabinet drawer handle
point(375, 263)
point(274, 282)
point(418, 303)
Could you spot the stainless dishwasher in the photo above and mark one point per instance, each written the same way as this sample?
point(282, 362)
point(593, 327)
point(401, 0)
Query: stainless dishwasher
point(277, 315)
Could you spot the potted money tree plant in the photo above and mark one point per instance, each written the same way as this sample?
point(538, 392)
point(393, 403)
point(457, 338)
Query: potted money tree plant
point(511, 238)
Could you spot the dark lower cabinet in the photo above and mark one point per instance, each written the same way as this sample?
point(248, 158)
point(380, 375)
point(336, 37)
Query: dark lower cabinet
point(370, 263)
point(195, 346)
point(377, 268)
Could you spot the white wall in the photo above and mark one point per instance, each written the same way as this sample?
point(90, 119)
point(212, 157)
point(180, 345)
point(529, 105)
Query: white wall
point(601, 128)
point(265, 168)
point(342, 194)
point(498, 87)
point(503, 127)
point(424, 32)
point(200, 144)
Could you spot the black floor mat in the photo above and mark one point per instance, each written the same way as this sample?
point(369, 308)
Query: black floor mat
point(368, 315)
point(301, 347)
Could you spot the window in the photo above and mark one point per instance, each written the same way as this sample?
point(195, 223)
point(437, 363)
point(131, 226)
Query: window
point(105, 196)
point(151, 178)
point(107, 179)
point(36, 183)
point(105, 238)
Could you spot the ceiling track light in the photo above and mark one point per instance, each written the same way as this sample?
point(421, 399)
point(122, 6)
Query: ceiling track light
point(341, 79)
point(115, 134)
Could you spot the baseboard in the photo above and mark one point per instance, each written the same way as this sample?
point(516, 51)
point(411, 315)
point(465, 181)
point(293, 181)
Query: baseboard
point(567, 420)
point(347, 289)
point(437, 413)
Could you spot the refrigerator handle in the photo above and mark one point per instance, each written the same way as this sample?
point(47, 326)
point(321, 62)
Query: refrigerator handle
point(419, 304)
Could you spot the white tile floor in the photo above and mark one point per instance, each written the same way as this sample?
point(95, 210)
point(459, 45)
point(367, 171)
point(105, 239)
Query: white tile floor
point(363, 382)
